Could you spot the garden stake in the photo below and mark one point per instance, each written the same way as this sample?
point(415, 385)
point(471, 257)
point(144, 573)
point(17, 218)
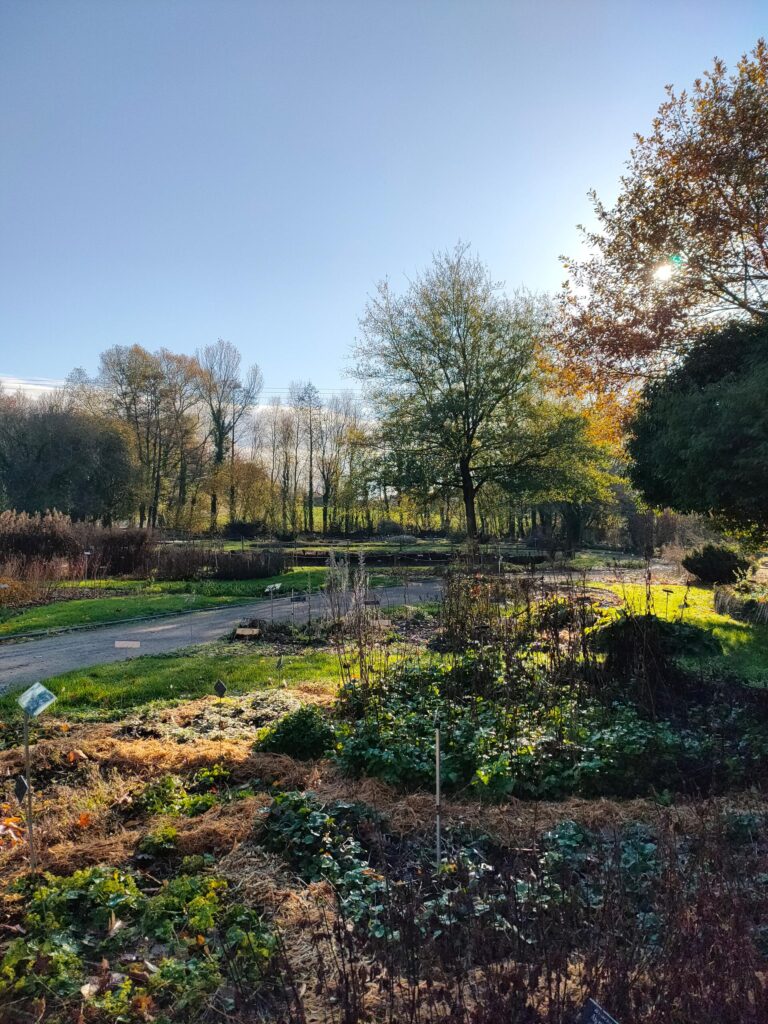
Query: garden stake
point(28, 776)
point(32, 702)
point(438, 854)
point(220, 689)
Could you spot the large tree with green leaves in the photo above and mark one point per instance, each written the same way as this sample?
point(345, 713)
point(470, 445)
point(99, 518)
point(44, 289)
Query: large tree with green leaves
point(699, 439)
point(447, 366)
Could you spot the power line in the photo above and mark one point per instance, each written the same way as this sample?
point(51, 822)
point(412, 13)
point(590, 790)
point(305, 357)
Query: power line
point(56, 383)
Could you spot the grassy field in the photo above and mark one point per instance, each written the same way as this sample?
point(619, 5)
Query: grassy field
point(130, 599)
point(147, 598)
point(745, 645)
point(107, 692)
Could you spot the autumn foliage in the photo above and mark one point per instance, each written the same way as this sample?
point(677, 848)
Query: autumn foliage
point(685, 245)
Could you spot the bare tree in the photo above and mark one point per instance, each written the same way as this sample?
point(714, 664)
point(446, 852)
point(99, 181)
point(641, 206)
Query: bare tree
point(306, 399)
point(227, 397)
point(333, 426)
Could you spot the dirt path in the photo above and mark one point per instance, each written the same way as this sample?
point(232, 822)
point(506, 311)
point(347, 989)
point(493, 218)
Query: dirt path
point(35, 660)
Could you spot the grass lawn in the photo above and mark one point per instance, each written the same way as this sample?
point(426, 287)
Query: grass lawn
point(148, 598)
point(585, 560)
point(106, 692)
point(745, 645)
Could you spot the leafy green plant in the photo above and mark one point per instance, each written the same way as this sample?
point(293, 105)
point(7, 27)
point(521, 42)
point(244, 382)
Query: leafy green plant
point(319, 842)
point(168, 795)
point(305, 734)
point(161, 842)
point(72, 921)
point(544, 741)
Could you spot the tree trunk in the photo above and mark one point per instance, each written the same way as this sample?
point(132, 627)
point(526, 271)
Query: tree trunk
point(311, 481)
point(468, 493)
point(214, 510)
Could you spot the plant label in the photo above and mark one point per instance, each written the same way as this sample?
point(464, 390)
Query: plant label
point(592, 1013)
point(35, 700)
point(220, 688)
point(20, 789)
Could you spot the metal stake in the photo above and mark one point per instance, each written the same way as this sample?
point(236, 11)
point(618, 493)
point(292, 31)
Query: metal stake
point(438, 852)
point(28, 773)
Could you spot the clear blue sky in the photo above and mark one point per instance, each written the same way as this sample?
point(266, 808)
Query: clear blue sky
point(173, 171)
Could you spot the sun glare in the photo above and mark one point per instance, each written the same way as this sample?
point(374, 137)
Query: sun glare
point(664, 272)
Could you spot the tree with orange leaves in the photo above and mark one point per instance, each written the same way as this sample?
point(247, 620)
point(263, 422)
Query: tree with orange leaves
point(685, 246)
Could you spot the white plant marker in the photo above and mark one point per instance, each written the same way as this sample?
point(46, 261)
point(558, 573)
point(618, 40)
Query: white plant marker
point(32, 702)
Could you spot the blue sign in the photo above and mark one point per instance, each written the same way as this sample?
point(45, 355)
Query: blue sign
point(594, 1014)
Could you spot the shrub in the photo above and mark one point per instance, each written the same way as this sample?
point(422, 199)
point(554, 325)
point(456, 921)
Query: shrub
point(118, 552)
point(304, 734)
point(242, 530)
point(247, 565)
point(715, 564)
point(46, 536)
point(647, 643)
point(193, 562)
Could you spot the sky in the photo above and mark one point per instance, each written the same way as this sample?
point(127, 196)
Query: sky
point(175, 171)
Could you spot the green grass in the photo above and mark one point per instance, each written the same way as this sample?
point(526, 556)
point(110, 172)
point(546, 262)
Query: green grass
point(148, 599)
point(584, 560)
point(107, 692)
point(745, 645)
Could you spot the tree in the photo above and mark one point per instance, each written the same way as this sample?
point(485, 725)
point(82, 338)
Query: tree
point(686, 242)
point(334, 423)
point(227, 398)
point(130, 384)
point(446, 365)
point(699, 438)
point(306, 399)
point(182, 416)
point(54, 457)
point(560, 465)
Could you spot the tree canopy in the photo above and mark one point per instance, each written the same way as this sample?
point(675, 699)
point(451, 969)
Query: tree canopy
point(54, 457)
point(448, 364)
point(685, 245)
point(699, 439)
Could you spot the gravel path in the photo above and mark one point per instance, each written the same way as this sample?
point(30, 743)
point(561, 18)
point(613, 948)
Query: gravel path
point(30, 661)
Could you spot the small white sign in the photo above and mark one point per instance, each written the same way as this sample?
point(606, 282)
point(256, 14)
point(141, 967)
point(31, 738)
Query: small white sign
point(35, 700)
point(127, 643)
